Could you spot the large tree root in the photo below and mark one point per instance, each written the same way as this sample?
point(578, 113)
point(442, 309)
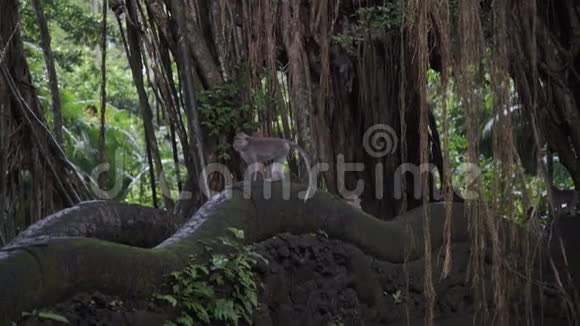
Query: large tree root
point(128, 224)
point(40, 272)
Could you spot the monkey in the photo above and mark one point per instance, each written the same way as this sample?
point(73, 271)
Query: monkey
point(262, 149)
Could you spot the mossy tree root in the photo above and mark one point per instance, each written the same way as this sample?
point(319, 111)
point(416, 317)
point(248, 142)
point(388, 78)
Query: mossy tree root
point(48, 270)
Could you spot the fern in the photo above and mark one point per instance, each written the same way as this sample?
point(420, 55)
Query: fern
point(223, 290)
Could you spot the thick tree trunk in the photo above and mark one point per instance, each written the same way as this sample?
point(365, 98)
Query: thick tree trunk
point(128, 224)
point(545, 61)
point(344, 102)
point(300, 81)
point(366, 104)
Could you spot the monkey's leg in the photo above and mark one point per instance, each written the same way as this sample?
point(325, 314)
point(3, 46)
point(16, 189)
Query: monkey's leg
point(277, 170)
point(260, 170)
point(254, 169)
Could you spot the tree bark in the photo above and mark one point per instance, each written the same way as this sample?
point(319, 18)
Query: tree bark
point(337, 95)
point(51, 70)
point(135, 60)
point(101, 150)
point(198, 181)
point(299, 77)
point(128, 224)
point(544, 64)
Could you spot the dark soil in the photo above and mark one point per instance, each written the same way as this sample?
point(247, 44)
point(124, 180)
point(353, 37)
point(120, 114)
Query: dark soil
point(311, 280)
point(97, 309)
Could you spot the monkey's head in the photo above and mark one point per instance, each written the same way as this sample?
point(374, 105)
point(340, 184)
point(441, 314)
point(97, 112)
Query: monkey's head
point(240, 141)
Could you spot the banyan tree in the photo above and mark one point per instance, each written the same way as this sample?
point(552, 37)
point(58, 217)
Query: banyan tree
point(349, 82)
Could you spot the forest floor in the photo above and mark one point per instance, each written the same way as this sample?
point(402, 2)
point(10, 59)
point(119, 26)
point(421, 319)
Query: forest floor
point(312, 280)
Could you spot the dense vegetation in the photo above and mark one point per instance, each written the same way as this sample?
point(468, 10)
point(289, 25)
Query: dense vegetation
point(131, 101)
point(75, 29)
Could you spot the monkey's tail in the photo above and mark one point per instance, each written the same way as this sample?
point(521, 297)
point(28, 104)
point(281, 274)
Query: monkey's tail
point(307, 162)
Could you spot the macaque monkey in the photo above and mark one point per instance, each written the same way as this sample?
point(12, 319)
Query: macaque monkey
point(262, 149)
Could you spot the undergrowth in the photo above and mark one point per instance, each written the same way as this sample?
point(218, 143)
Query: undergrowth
point(223, 290)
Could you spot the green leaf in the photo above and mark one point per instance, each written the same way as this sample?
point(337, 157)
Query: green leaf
point(239, 234)
point(185, 320)
point(199, 311)
point(49, 315)
point(167, 298)
point(219, 261)
point(203, 290)
point(224, 310)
